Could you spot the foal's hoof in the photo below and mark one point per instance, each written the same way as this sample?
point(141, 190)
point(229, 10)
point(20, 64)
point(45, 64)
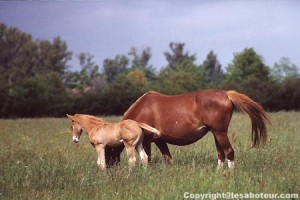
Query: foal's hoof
point(170, 161)
point(102, 169)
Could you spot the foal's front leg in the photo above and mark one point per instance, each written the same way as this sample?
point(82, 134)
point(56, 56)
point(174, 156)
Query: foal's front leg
point(100, 149)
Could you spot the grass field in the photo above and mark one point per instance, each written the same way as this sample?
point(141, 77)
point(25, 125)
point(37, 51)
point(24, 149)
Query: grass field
point(38, 160)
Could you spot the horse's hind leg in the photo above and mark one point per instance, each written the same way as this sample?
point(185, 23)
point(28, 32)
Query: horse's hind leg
point(113, 154)
point(223, 144)
point(221, 155)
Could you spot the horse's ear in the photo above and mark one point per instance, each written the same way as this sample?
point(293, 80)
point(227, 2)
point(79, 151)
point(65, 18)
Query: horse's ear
point(70, 117)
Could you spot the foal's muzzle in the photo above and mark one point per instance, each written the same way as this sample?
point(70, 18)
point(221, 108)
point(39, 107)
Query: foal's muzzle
point(75, 139)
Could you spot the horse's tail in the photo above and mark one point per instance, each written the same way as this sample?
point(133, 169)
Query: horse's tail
point(149, 128)
point(256, 113)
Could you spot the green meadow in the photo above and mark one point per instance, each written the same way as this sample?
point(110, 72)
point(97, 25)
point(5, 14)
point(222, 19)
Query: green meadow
point(38, 160)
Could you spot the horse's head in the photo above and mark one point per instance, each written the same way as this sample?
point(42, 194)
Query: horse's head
point(76, 128)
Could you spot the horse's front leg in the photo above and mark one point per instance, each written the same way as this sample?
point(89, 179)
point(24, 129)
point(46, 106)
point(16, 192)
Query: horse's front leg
point(100, 149)
point(113, 154)
point(164, 149)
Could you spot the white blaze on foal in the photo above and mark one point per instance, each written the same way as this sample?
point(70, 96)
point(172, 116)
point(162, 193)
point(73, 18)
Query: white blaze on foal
point(75, 139)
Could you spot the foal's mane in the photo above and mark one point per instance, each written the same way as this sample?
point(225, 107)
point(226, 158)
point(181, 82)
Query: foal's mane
point(91, 117)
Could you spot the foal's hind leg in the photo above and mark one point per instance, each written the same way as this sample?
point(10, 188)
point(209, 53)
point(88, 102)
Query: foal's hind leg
point(141, 151)
point(222, 143)
point(131, 154)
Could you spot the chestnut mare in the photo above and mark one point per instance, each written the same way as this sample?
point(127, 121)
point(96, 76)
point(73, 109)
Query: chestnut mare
point(184, 119)
point(102, 134)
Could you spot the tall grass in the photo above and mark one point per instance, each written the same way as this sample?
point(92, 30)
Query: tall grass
point(38, 160)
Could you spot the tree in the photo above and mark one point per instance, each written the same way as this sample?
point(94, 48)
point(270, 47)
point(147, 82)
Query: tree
point(53, 57)
point(23, 61)
point(138, 78)
point(41, 95)
point(248, 74)
point(114, 67)
point(245, 65)
point(212, 70)
point(21, 57)
point(141, 61)
point(177, 55)
point(18, 55)
point(87, 64)
point(123, 91)
point(88, 78)
point(284, 69)
point(187, 77)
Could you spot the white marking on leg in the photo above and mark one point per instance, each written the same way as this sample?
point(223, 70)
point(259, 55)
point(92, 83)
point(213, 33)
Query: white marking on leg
point(131, 156)
point(101, 157)
point(132, 162)
point(220, 164)
point(230, 164)
point(144, 157)
point(99, 162)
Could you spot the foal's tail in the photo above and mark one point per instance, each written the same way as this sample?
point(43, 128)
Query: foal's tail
point(256, 113)
point(150, 128)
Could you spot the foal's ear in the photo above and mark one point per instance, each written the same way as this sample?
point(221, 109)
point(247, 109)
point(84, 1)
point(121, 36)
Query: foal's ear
point(70, 117)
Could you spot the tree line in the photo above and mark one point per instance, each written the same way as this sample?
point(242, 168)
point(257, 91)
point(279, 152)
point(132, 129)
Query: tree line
point(36, 81)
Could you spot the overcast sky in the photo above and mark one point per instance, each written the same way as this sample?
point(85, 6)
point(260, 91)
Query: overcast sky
point(107, 28)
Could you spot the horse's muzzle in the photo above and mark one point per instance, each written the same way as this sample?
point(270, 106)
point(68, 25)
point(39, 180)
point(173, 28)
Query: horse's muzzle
point(75, 139)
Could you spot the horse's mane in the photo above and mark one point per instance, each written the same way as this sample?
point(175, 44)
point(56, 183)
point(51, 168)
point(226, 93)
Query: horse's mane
point(137, 101)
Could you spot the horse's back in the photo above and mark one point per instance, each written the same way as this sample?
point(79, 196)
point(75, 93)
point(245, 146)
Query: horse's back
point(154, 102)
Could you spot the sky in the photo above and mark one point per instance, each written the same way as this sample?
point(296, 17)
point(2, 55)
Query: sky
point(109, 28)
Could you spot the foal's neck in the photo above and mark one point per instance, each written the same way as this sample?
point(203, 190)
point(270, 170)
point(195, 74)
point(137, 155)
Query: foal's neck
point(89, 125)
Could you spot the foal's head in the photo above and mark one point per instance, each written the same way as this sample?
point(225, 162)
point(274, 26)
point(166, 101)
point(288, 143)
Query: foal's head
point(76, 129)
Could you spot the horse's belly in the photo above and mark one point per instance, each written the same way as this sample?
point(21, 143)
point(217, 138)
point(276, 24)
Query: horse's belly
point(184, 137)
